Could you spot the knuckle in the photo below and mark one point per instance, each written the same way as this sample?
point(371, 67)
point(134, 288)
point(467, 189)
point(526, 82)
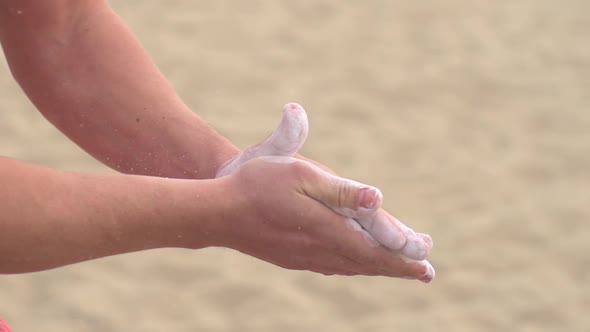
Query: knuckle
point(303, 166)
point(302, 169)
point(347, 195)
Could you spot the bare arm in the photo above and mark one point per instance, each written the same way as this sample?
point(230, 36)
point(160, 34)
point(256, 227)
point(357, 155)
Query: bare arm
point(269, 209)
point(52, 218)
point(89, 76)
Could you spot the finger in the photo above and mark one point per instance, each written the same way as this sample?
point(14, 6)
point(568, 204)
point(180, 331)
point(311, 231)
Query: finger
point(427, 239)
point(393, 234)
point(350, 250)
point(362, 202)
point(382, 228)
point(421, 270)
point(285, 141)
point(400, 266)
point(346, 197)
point(416, 246)
point(377, 260)
point(430, 274)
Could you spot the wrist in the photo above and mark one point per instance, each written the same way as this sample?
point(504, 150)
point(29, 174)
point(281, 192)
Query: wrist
point(200, 214)
point(226, 153)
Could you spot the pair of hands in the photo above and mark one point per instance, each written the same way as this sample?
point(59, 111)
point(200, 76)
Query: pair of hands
point(299, 215)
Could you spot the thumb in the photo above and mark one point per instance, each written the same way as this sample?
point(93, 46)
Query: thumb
point(346, 197)
point(285, 140)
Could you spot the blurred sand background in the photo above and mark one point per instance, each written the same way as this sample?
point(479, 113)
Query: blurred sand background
point(472, 117)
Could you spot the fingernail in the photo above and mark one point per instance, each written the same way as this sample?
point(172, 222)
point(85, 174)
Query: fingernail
point(368, 197)
point(429, 275)
point(427, 239)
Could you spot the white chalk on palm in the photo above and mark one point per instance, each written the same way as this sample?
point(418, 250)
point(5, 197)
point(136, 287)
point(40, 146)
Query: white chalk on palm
point(287, 139)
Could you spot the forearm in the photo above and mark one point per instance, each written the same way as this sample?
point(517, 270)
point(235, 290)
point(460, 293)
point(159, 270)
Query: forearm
point(86, 72)
point(51, 218)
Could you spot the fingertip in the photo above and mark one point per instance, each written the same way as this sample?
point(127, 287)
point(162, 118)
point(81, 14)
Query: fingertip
point(370, 199)
point(383, 230)
point(368, 202)
point(427, 239)
point(295, 115)
point(292, 106)
point(417, 270)
point(415, 248)
point(290, 135)
point(429, 275)
point(347, 197)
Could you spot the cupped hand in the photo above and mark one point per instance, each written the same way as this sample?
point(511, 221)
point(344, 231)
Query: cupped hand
point(280, 213)
point(380, 226)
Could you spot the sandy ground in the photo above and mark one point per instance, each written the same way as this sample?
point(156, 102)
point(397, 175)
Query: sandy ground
point(472, 117)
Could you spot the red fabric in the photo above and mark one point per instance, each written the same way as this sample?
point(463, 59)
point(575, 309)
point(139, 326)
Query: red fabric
point(4, 327)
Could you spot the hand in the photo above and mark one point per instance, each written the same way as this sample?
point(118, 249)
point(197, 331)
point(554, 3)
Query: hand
point(279, 214)
point(382, 227)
